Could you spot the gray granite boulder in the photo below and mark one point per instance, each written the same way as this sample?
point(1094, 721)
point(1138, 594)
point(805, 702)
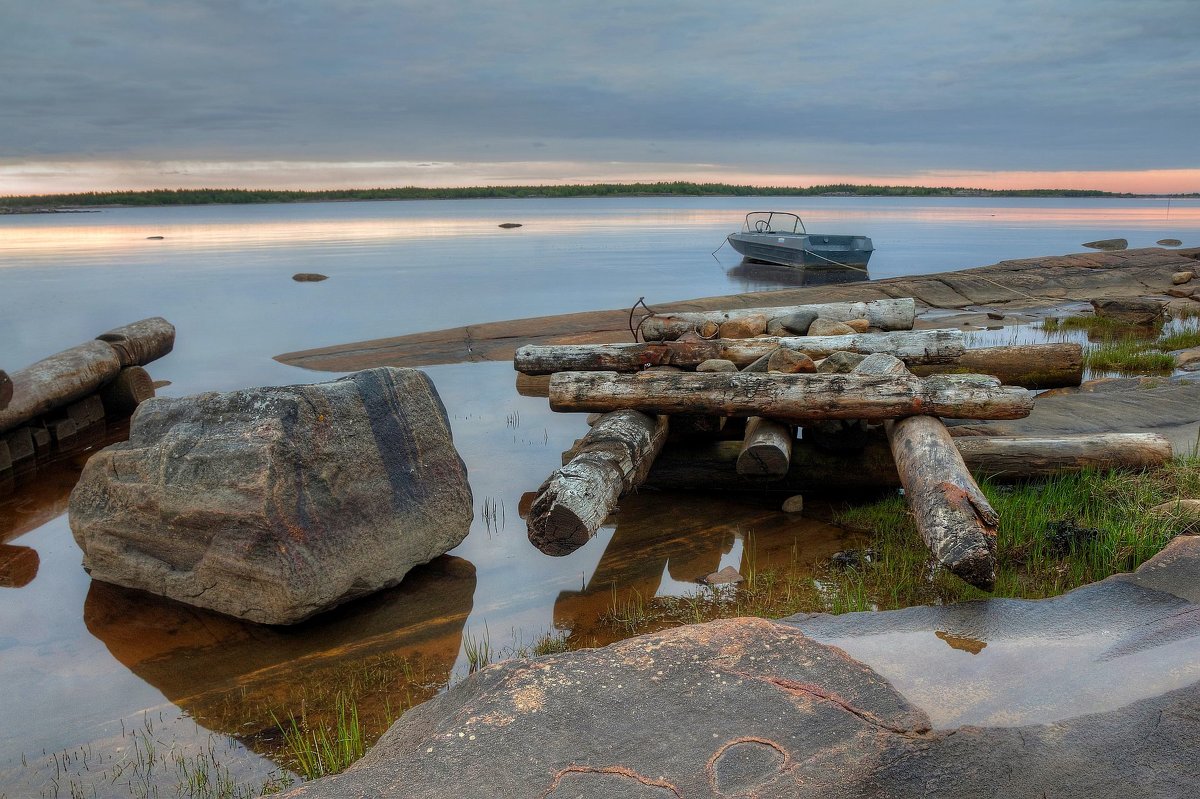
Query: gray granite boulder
point(274, 504)
point(753, 708)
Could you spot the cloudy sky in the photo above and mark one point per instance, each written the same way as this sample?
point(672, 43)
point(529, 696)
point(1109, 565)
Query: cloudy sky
point(300, 93)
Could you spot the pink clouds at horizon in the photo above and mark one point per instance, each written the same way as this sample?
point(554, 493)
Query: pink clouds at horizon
point(78, 176)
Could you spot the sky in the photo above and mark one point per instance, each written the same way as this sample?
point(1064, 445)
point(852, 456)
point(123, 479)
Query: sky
point(115, 94)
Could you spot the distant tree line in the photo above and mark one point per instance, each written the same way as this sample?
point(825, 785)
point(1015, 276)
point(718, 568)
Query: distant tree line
point(663, 188)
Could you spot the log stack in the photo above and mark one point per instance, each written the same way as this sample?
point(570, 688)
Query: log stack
point(53, 404)
point(861, 406)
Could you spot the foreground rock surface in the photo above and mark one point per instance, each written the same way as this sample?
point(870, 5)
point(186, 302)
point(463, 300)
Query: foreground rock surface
point(746, 707)
point(274, 504)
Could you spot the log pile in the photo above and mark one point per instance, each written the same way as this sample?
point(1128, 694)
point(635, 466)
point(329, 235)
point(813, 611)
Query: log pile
point(840, 395)
point(56, 403)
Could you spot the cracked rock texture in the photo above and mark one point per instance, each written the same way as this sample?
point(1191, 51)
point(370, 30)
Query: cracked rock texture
point(754, 708)
point(274, 504)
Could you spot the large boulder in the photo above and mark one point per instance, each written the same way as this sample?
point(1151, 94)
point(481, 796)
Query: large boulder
point(1130, 310)
point(274, 504)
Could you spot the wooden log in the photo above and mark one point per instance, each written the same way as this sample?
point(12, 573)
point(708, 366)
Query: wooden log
point(6, 389)
point(712, 465)
point(790, 398)
point(130, 389)
point(767, 448)
point(892, 314)
point(575, 500)
point(1028, 365)
point(141, 342)
point(59, 380)
point(912, 346)
point(951, 513)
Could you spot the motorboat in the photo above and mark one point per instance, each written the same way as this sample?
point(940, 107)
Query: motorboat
point(779, 237)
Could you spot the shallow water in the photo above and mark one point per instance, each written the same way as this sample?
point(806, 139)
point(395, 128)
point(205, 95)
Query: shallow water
point(81, 662)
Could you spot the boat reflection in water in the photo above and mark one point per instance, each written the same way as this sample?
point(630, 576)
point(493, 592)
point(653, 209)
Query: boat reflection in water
point(754, 275)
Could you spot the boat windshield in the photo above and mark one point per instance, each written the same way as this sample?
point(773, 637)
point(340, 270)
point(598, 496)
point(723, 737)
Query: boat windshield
point(773, 222)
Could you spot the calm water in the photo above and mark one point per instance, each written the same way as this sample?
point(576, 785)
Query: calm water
point(82, 664)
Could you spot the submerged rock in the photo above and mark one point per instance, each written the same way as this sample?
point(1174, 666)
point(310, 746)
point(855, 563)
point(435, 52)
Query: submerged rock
point(509, 225)
point(309, 277)
point(1169, 242)
point(274, 504)
point(1107, 244)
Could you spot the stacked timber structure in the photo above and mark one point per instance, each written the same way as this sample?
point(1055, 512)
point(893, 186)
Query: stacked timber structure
point(61, 402)
point(837, 394)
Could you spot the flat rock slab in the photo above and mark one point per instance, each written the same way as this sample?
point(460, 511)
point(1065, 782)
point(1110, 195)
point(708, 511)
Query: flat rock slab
point(274, 504)
point(747, 707)
point(1125, 405)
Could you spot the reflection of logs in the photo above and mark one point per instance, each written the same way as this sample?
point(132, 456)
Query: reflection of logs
point(711, 466)
point(18, 566)
point(612, 459)
point(794, 397)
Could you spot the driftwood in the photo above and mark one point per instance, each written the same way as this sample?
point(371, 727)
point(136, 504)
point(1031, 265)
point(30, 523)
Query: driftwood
point(712, 465)
point(766, 449)
point(1028, 365)
point(790, 397)
point(141, 342)
point(6, 389)
point(951, 513)
point(897, 314)
point(912, 346)
point(59, 380)
point(576, 499)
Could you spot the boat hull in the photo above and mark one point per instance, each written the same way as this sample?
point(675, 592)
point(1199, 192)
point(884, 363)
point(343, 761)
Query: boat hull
point(812, 250)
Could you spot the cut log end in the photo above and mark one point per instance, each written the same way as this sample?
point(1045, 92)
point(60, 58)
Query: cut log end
point(975, 565)
point(555, 529)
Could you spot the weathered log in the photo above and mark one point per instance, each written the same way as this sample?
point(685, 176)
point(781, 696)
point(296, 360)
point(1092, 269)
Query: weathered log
point(130, 389)
point(790, 398)
point(895, 314)
point(1028, 365)
point(712, 465)
point(767, 448)
point(952, 515)
point(6, 389)
point(912, 346)
point(59, 380)
point(575, 500)
point(141, 342)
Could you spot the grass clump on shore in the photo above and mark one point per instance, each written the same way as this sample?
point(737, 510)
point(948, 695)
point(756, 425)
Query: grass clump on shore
point(1054, 536)
point(1128, 356)
point(1099, 326)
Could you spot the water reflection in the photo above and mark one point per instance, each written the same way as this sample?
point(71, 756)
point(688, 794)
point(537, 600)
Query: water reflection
point(384, 652)
point(756, 276)
point(664, 542)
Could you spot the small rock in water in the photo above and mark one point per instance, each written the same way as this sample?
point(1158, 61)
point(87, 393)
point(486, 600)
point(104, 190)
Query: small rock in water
point(828, 327)
point(309, 277)
point(994, 315)
point(1107, 244)
point(1169, 242)
point(510, 224)
point(1179, 278)
point(794, 504)
point(154, 238)
point(726, 576)
point(717, 365)
point(1132, 310)
point(852, 558)
point(1188, 360)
